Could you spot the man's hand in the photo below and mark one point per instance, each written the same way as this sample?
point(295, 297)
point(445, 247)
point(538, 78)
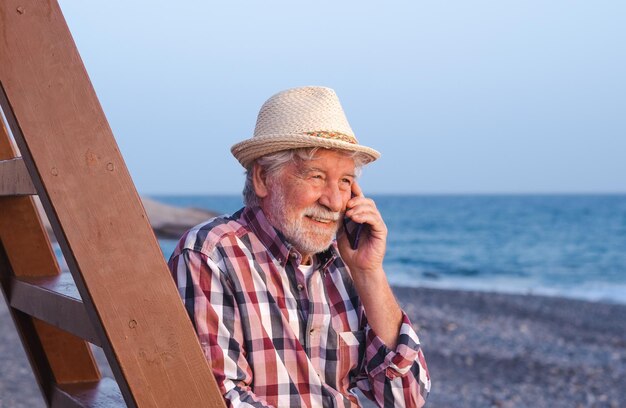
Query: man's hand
point(366, 267)
point(368, 257)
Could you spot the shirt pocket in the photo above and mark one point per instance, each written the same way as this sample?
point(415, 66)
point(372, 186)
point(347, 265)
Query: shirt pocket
point(351, 354)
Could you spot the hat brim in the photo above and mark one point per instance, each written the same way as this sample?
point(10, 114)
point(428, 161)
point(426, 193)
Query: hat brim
point(251, 149)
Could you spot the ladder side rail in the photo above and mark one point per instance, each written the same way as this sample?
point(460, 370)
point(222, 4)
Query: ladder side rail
point(96, 214)
point(56, 357)
point(59, 232)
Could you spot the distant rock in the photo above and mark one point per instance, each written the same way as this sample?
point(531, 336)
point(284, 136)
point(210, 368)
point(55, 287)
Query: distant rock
point(167, 221)
point(171, 222)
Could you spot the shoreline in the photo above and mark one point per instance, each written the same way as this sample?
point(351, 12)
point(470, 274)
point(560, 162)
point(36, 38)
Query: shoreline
point(483, 349)
point(578, 293)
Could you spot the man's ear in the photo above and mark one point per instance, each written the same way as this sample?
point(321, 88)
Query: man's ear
point(259, 181)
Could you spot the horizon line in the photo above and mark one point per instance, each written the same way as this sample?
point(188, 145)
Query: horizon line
point(423, 193)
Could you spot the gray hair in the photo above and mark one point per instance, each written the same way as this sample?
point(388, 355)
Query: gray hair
point(274, 162)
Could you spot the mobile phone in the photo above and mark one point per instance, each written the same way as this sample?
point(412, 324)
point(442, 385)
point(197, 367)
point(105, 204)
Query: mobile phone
point(353, 231)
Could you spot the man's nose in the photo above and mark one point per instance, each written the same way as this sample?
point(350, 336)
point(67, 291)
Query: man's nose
point(332, 198)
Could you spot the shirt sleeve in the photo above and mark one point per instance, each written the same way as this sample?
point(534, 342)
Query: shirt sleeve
point(211, 305)
point(395, 378)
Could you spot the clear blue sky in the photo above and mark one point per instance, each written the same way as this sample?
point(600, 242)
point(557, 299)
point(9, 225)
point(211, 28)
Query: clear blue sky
point(459, 96)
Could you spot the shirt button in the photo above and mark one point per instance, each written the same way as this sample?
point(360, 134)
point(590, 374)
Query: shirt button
point(300, 286)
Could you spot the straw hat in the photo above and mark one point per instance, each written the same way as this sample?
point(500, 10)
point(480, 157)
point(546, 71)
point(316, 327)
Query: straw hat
point(301, 117)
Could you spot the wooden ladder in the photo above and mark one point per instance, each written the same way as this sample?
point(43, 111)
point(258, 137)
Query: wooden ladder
point(120, 295)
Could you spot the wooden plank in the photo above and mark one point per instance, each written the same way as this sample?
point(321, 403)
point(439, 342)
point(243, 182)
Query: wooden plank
point(69, 356)
point(101, 394)
point(28, 334)
point(50, 351)
point(25, 238)
point(56, 356)
point(96, 213)
point(29, 251)
point(25, 251)
point(14, 178)
point(56, 301)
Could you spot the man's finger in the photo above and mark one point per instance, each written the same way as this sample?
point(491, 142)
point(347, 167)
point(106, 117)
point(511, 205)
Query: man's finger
point(356, 190)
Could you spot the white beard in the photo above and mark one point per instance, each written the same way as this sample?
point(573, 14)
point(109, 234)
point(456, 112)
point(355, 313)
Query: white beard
point(307, 239)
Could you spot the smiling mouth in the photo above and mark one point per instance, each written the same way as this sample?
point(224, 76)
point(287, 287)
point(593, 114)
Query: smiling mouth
point(320, 220)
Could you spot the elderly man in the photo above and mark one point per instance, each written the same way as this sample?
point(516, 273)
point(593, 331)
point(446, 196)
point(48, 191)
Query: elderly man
point(290, 309)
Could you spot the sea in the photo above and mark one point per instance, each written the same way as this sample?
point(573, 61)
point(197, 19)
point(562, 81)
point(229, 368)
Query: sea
point(556, 245)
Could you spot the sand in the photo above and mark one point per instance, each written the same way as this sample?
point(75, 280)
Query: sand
point(482, 349)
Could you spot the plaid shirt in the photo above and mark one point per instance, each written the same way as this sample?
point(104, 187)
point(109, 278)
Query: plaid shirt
point(274, 338)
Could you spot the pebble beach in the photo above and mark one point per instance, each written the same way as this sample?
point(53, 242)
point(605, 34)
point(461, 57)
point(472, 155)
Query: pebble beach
point(482, 349)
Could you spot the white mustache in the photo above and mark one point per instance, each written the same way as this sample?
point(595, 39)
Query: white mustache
point(322, 213)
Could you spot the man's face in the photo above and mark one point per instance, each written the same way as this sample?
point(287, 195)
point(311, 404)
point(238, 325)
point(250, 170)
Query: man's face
point(306, 199)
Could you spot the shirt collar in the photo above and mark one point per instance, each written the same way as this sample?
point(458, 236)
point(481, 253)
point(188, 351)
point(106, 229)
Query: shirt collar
point(275, 241)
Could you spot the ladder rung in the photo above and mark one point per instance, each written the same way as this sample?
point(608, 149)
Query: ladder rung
point(101, 394)
point(56, 301)
point(14, 178)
